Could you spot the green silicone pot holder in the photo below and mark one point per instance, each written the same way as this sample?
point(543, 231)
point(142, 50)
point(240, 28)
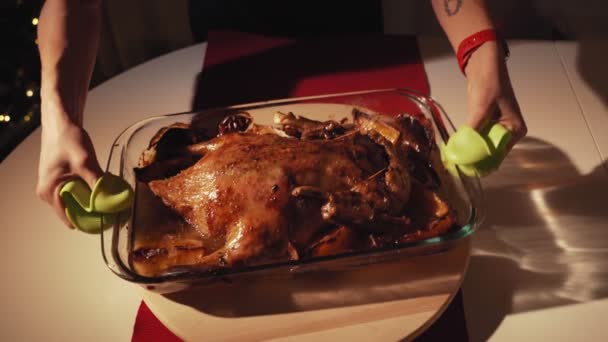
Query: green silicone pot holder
point(475, 154)
point(91, 211)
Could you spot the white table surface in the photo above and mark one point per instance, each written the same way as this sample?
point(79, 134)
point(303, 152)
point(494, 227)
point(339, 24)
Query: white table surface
point(540, 266)
point(544, 245)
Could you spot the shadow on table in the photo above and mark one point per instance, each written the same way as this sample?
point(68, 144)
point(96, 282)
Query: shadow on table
point(590, 62)
point(544, 242)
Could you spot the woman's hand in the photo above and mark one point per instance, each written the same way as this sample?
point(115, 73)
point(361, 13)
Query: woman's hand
point(490, 94)
point(68, 35)
point(66, 153)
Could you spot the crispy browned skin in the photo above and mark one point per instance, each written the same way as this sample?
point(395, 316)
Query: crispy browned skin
point(259, 196)
point(239, 196)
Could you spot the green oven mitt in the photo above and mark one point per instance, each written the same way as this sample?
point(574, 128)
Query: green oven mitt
point(475, 154)
point(91, 211)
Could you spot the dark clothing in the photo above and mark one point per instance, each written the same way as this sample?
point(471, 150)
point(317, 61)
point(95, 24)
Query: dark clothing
point(291, 18)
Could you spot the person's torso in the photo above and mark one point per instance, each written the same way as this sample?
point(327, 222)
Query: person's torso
point(292, 18)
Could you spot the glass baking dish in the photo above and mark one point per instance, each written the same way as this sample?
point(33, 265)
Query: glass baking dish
point(463, 193)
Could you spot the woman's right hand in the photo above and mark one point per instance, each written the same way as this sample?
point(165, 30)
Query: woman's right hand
point(66, 153)
point(68, 35)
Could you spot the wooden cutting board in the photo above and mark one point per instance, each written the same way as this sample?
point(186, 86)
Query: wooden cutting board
point(384, 302)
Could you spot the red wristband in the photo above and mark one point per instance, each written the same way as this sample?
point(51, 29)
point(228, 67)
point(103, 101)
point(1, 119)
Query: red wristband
point(473, 42)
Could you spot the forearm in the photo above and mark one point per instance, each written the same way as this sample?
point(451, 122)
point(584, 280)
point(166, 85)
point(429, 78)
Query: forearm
point(461, 18)
point(489, 92)
point(68, 36)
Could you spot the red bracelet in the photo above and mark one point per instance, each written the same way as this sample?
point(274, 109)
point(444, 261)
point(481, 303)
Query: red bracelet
point(473, 42)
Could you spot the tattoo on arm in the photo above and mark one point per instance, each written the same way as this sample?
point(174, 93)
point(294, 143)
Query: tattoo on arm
point(452, 6)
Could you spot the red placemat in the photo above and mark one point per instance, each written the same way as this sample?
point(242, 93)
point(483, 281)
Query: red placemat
point(241, 68)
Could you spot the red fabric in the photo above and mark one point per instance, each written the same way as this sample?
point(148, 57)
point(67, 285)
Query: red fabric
point(148, 328)
point(241, 68)
point(266, 68)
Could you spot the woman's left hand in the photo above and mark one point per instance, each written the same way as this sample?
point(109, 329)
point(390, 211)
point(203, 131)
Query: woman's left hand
point(490, 94)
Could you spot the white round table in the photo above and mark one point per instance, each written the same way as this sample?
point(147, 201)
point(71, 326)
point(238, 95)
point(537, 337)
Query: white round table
point(55, 285)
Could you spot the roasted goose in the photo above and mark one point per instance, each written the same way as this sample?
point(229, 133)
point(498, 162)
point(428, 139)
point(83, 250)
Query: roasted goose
point(258, 194)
